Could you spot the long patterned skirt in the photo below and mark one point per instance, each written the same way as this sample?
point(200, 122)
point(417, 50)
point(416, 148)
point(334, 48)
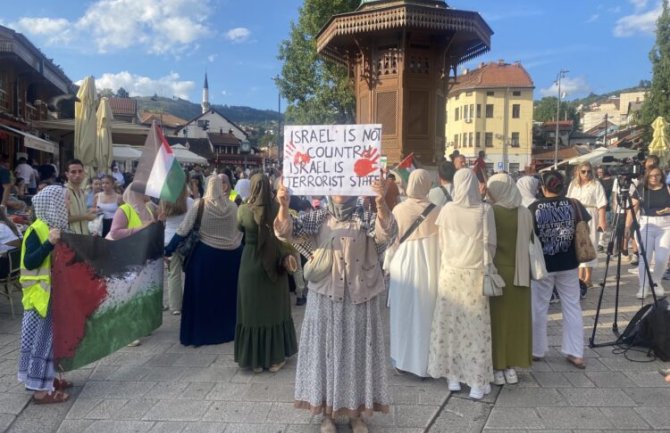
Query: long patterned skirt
point(342, 359)
point(36, 366)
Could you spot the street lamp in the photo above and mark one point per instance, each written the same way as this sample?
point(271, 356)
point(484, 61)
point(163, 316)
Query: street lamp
point(560, 76)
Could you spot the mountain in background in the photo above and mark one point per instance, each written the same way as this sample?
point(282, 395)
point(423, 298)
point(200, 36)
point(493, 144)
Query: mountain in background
point(187, 110)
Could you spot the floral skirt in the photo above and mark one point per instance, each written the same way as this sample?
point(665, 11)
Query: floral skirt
point(460, 340)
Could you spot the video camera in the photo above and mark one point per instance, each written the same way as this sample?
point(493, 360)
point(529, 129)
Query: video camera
point(625, 170)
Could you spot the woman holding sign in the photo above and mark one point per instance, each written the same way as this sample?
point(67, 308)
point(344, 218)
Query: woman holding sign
point(342, 358)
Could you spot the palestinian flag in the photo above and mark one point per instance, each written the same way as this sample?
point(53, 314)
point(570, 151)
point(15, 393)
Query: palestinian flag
point(405, 167)
point(105, 294)
point(159, 174)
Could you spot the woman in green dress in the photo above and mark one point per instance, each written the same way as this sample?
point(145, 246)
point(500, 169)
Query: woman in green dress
point(264, 335)
point(511, 321)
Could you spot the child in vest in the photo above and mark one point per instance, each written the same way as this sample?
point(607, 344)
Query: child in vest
point(36, 367)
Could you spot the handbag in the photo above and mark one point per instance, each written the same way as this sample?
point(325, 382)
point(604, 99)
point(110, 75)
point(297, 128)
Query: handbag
point(320, 265)
point(584, 249)
point(493, 282)
point(186, 246)
point(538, 267)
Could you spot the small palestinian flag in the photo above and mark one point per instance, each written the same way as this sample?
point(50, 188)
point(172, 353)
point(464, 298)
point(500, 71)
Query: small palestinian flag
point(159, 174)
point(105, 294)
point(405, 167)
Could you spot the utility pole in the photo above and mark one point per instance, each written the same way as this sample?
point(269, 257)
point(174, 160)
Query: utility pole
point(560, 76)
point(279, 125)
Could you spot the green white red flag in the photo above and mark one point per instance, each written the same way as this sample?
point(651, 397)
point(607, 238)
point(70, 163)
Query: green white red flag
point(159, 174)
point(405, 167)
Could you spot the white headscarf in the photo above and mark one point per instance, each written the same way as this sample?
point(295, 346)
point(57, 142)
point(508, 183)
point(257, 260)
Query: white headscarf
point(466, 189)
point(528, 186)
point(49, 205)
point(503, 191)
point(243, 188)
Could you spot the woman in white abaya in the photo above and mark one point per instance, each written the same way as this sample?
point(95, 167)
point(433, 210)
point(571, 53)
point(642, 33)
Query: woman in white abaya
point(413, 266)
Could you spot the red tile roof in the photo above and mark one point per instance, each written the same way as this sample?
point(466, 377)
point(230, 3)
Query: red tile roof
point(493, 75)
point(169, 120)
point(123, 106)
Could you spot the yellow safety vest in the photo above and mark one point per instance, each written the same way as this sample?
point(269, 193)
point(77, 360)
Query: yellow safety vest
point(36, 283)
point(134, 220)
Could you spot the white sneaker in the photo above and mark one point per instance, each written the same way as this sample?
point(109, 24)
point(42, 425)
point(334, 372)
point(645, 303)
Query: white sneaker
point(642, 294)
point(498, 377)
point(328, 426)
point(454, 386)
point(510, 376)
point(477, 393)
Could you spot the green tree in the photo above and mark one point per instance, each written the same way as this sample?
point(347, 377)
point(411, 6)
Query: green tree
point(657, 102)
point(107, 93)
point(122, 93)
point(545, 111)
point(317, 91)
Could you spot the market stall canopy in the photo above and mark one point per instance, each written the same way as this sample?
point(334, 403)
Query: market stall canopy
point(186, 156)
point(596, 156)
point(122, 132)
point(34, 142)
point(125, 152)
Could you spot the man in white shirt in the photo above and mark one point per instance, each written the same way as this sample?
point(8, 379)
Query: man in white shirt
point(24, 171)
point(443, 193)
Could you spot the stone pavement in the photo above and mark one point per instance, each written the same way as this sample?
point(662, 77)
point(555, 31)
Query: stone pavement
point(162, 387)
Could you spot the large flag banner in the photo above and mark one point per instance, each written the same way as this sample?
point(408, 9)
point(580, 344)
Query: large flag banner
point(105, 294)
point(332, 159)
point(158, 173)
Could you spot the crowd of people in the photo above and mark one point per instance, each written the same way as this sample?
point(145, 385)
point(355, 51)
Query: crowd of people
point(433, 243)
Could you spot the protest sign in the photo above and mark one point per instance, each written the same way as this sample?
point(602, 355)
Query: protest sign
point(105, 294)
point(332, 159)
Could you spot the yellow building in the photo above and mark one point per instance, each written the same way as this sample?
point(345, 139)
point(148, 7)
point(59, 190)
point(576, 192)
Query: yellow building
point(491, 109)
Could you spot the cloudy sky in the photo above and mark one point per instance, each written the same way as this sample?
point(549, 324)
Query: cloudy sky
point(164, 47)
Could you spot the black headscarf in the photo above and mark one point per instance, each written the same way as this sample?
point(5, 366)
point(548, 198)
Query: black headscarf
point(262, 206)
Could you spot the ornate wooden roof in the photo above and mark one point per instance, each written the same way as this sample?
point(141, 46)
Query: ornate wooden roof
point(341, 36)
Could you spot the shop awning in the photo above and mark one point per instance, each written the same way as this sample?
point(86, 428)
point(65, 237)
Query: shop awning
point(124, 152)
point(34, 142)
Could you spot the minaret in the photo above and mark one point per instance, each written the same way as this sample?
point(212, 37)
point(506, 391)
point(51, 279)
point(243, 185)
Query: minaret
point(205, 97)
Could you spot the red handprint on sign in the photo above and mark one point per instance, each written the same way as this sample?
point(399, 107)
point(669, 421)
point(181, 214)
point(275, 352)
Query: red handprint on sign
point(299, 158)
point(368, 162)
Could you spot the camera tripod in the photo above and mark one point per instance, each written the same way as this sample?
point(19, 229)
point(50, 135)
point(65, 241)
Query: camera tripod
point(624, 201)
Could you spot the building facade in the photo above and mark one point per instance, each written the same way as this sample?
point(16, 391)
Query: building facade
point(491, 109)
point(32, 89)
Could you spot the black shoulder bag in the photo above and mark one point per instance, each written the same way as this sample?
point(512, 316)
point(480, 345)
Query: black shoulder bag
point(186, 246)
point(417, 223)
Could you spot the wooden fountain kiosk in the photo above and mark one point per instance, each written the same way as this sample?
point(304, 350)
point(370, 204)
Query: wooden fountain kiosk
point(402, 56)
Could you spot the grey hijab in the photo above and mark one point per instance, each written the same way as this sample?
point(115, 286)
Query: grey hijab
point(342, 211)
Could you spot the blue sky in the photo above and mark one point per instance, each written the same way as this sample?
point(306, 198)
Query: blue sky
point(165, 46)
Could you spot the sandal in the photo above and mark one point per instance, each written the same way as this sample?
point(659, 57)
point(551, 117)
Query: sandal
point(577, 362)
point(62, 384)
point(276, 367)
point(55, 397)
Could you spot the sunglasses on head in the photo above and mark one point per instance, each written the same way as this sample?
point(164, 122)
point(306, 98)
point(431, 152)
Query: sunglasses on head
point(585, 171)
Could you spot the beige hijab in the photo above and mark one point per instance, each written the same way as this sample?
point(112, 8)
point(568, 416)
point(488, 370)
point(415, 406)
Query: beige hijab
point(418, 185)
point(503, 192)
point(218, 227)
